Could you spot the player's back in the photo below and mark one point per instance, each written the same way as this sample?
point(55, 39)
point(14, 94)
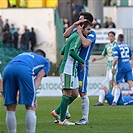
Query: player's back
point(68, 63)
point(124, 53)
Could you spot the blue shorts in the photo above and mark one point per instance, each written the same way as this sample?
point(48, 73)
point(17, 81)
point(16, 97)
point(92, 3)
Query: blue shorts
point(18, 76)
point(109, 97)
point(123, 75)
point(127, 100)
point(82, 76)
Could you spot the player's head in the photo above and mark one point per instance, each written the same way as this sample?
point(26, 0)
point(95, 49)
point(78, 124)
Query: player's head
point(120, 38)
point(111, 36)
point(86, 15)
point(40, 52)
point(86, 27)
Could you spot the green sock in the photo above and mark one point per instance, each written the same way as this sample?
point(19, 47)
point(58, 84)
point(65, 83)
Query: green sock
point(71, 99)
point(110, 87)
point(57, 110)
point(63, 107)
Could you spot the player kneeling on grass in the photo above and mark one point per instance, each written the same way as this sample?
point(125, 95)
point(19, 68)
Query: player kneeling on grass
point(23, 74)
point(115, 97)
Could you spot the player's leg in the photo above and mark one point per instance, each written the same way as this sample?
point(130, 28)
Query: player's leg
point(116, 95)
point(119, 78)
point(111, 78)
point(27, 97)
point(67, 84)
point(11, 118)
point(84, 98)
point(30, 119)
point(10, 97)
point(73, 96)
point(103, 91)
point(128, 78)
point(127, 100)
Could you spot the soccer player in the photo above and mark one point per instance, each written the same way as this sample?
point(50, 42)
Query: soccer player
point(23, 74)
point(108, 51)
point(68, 72)
point(88, 43)
point(116, 95)
point(122, 56)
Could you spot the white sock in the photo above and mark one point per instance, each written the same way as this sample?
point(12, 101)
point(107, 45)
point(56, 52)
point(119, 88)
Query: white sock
point(113, 91)
point(132, 90)
point(67, 111)
point(116, 95)
point(30, 121)
point(11, 121)
point(85, 106)
point(101, 96)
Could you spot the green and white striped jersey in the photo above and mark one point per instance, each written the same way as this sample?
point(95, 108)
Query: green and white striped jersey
point(108, 50)
point(69, 64)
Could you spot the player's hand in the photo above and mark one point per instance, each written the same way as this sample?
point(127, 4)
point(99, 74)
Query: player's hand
point(35, 105)
point(80, 29)
point(79, 21)
point(94, 59)
point(83, 66)
point(113, 71)
point(128, 94)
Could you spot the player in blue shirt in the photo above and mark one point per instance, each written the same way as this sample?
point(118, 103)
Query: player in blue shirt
point(122, 56)
point(23, 74)
point(85, 53)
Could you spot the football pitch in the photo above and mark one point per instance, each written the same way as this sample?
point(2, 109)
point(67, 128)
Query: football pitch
point(102, 119)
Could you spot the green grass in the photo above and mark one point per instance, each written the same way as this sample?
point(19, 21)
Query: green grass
point(104, 119)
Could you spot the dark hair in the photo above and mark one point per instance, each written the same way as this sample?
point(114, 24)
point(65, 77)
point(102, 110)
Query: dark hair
point(40, 52)
point(111, 32)
point(85, 23)
point(87, 16)
point(120, 37)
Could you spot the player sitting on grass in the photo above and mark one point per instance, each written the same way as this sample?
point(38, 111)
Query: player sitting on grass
point(116, 97)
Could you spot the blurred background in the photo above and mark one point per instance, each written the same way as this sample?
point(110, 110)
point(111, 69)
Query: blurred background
point(46, 20)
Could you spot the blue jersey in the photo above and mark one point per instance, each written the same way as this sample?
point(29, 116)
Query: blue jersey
point(123, 53)
point(35, 61)
point(85, 53)
point(20, 74)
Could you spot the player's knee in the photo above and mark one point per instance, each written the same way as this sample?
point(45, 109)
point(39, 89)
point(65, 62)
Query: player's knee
point(30, 108)
point(103, 88)
point(116, 86)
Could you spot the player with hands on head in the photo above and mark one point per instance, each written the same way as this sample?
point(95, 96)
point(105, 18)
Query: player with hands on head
point(68, 73)
point(87, 44)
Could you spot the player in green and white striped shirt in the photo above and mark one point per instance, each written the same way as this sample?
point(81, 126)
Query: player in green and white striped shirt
point(108, 51)
point(68, 72)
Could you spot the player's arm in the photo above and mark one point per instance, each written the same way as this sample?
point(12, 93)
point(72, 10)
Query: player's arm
point(98, 58)
point(85, 41)
point(104, 53)
point(39, 77)
point(42, 73)
point(68, 32)
point(114, 64)
point(75, 56)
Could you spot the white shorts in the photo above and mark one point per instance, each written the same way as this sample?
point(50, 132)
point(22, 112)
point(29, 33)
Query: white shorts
point(68, 81)
point(107, 78)
point(109, 75)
